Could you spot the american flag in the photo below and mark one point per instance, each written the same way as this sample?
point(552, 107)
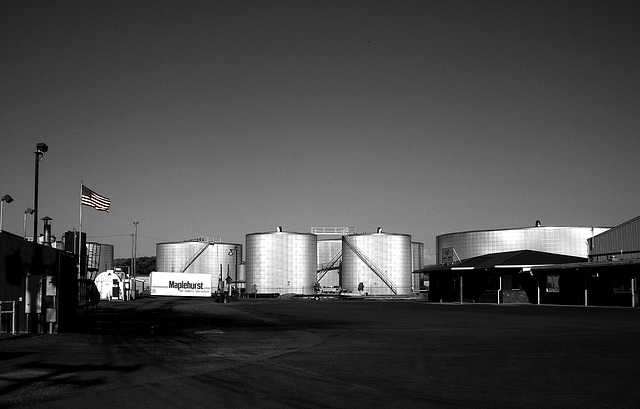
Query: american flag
point(92, 199)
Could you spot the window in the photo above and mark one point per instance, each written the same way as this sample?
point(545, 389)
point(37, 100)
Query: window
point(621, 284)
point(553, 283)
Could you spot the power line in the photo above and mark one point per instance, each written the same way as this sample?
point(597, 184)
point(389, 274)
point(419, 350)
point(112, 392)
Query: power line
point(128, 234)
point(113, 235)
point(153, 238)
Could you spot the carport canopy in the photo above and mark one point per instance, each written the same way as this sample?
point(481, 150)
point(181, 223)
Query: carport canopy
point(521, 259)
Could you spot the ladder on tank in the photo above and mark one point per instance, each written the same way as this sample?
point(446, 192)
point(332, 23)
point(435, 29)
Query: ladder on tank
point(324, 268)
point(195, 256)
point(93, 258)
point(377, 270)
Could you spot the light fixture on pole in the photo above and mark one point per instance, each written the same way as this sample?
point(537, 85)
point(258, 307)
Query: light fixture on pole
point(5, 198)
point(41, 149)
point(28, 210)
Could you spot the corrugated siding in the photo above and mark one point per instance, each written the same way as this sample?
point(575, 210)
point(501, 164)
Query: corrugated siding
point(281, 262)
point(218, 259)
point(390, 252)
point(623, 238)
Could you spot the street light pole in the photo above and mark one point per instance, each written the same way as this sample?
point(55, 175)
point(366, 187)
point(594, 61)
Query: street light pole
point(233, 251)
point(235, 248)
point(8, 199)
point(41, 148)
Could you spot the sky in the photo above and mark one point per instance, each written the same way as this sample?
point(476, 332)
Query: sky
point(225, 118)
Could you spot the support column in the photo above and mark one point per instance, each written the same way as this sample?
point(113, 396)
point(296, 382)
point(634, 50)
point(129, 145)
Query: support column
point(585, 290)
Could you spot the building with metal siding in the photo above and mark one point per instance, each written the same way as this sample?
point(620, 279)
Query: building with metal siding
point(380, 261)
point(281, 262)
point(39, 287)
point(618, 243)
point(216, 258)
point(570, 241)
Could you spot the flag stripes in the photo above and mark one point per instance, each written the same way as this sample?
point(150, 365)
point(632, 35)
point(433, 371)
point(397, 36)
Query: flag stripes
point(92, 199)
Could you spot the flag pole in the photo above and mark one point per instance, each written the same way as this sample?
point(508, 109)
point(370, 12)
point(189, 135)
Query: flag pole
point(80, 234)
point(81, 184)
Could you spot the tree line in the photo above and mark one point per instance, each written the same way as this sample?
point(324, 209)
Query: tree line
point(144, 266)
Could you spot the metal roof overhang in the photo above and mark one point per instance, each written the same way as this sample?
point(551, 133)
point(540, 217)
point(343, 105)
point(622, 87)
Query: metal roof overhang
point(591, 266)
point(525, 260)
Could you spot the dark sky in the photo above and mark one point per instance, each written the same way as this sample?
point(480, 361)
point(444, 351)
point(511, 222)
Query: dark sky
point(222, 118)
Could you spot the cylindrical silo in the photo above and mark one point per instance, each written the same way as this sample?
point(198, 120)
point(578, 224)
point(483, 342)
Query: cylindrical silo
point(281, 262)
point(99, 256)
point(379, 263)
point(328, 272)
point(201, 256)
point(106, 257)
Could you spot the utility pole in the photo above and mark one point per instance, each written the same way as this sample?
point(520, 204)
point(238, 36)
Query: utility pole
point(135, 247)
point(134, 256)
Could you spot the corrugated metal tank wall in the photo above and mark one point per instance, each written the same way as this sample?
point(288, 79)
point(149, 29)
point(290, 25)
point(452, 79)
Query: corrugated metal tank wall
point(570, 241)
point(281, 262)
point(99, 256)
point(390, 252)
point(217, 260)
point(417, 255)
point(327, 250)
point(417, 262)
point(106, 257)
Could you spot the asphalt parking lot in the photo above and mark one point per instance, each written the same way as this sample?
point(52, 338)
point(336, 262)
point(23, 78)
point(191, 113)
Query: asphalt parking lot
point(172, 352)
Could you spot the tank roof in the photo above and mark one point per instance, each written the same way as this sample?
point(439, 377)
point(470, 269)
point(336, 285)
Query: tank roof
point(282, 233)
point(523, 228)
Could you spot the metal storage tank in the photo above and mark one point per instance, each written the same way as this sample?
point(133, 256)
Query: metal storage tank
point(417, 262)
point(570, 241)
point(328, 251)
point(99, 256)
point(281, 262)
point(387, 253)
point(211, 257)
point(106, 257)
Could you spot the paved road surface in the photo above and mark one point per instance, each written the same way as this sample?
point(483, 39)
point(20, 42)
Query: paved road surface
point(169, 352)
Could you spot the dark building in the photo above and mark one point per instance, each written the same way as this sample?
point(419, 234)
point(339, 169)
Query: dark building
point(608, 276)
point(493, 278)
point(38, 286)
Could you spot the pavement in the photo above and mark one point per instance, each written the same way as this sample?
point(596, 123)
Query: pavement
point(331, 353)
